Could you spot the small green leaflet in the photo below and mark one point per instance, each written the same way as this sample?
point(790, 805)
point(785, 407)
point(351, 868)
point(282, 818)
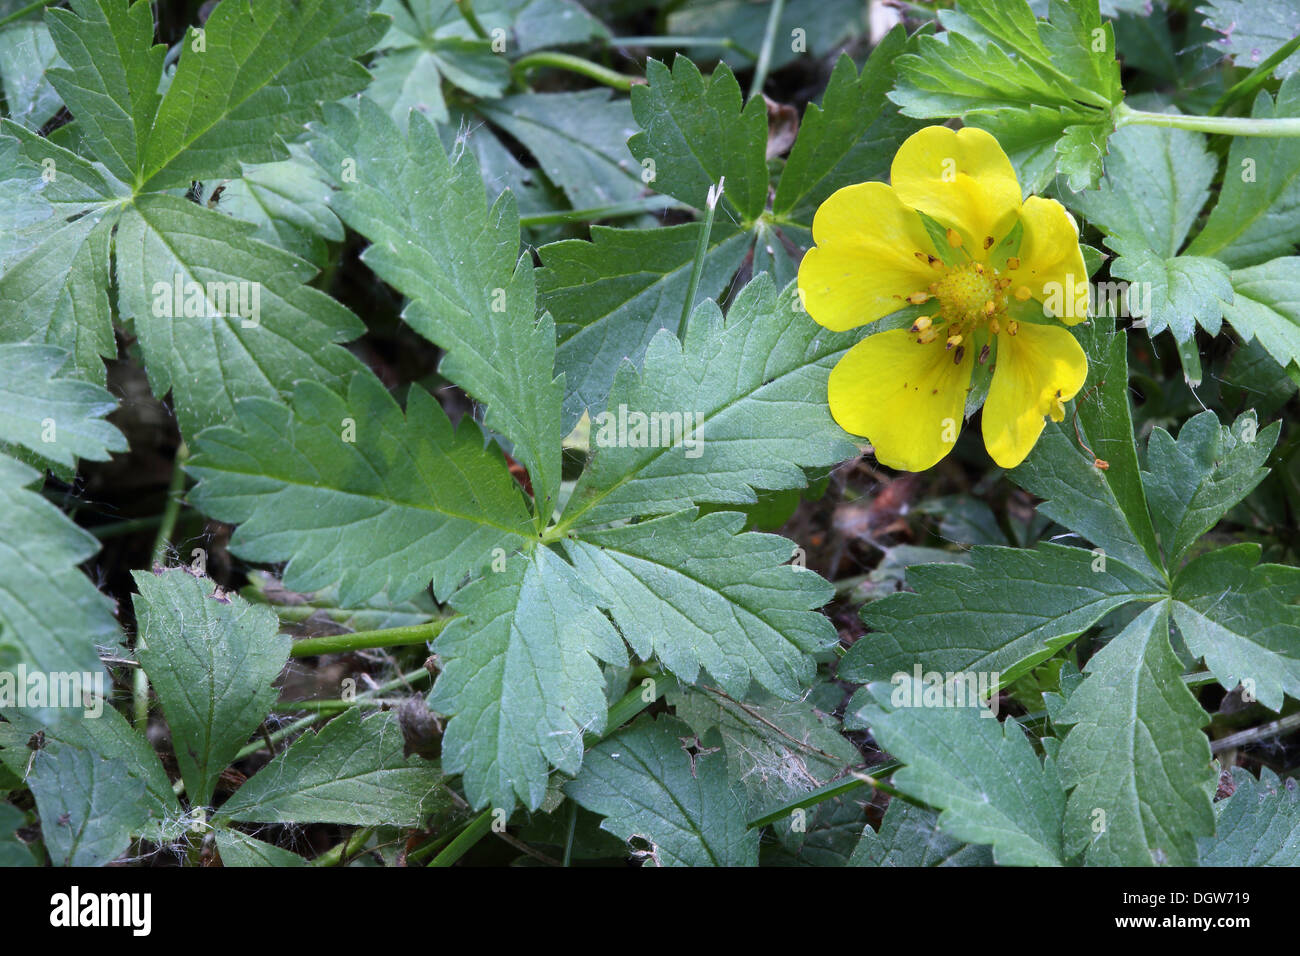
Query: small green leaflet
point(1266, 307)
point(1257, 215)
point(521, 679)
point(470, 290)
point(26, 55)
point(1157, 181)
point(1193, 482)
point(1134, 759)
point(349, 490)
point(614, 293)
point(351, 771)
point(698, 593)
point(1005, 612)
point(211, 658)
point(695, 132)
point(850, 138)
point(674, 801)
point(981, 773)
point(910, 836)
point(240, 849)
point(1242, 618)
point(754, 389)
point(1252, 32)
point(59, 419)
point(1045, 89)
point(1259, 825)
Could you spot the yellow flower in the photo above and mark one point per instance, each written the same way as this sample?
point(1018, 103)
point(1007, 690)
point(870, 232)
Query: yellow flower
point(994, 274)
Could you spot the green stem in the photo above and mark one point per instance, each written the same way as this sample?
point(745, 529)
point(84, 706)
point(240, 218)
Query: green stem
point(166, 528)
point(128, 526)
point(341, 852)
point(1256, 77)
point(30, 8)
point(411, 677)
point(465, 840)
point(835, 789)
point(574, 64)
point(673, 43)
point(701, 248)
point(1125, 115)
point(360, 640)
point(765, 51)
point(467, 11)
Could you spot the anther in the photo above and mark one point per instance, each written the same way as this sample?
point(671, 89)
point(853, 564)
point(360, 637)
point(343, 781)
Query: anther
point(954, 238)
point(1013, 327)
point(957, 356)
point(994, 326)
point(988, 242)
point(989, 307)
point(916, 298)
point(1013, 263)
point(984, 355)
point(1023, 293)
point(926, 337)
point(953, 341)
point(921, 324)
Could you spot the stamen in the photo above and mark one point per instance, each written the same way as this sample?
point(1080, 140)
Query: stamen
point(1013, 327)
point(1023, 293)
point(989, 307)
point(953, 341)
point(926, 337)
point(916, 298)
point(921, 324)
point(994, 326)
point(1013, 263)
point(957, 356)
point(954, 238)
point(984, 355)
point(988, 242)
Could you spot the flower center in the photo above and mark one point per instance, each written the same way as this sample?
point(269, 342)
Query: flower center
point(971, 296)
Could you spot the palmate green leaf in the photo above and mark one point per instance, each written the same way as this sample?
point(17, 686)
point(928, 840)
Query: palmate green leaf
point(1008, 610)
point(351, 771)
point(910, 836)
point(700, 594)
point(777, 750)
point(26, 54)
point(1157, 181)
point(1252, 32)
point(696, 132)
point(1242, 618)
point(850, 138)
point(1266, 307)
point(349, 490)
point(40, 549)
point(242, 850)
point(579, 139)
point(1257, 215)
point(754, 387)
point(1044, 88)
point(521, 679)
point(981, 773)
point(435, 239)
point(59, 419)
point(1259, 825)
point(1108, 507)
point(1134, 759)
point(1193, 482)
point(211, 658)
point(649, 786)
point(614, 293)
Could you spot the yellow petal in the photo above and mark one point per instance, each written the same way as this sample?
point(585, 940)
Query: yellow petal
point(1039, 369)
point(1051, 262)
point(961, 178)
point(864, 264)
point(906, 399)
